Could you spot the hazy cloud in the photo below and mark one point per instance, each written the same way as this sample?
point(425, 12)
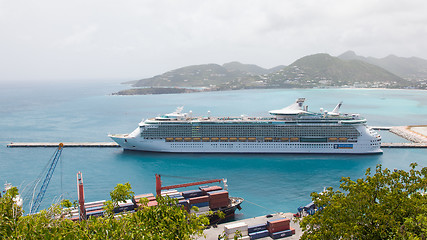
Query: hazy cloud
point(83, 39)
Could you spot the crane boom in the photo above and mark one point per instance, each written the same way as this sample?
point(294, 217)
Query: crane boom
point(159, 187)
point(35, 206)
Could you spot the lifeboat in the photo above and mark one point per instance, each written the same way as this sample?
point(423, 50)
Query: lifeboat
point(214, 139)
point(188, 139)
point(178, 139)
point(284, 139)
point(169, 139)
point(242, 139)
point(294, 139)
point(196, 139)
point(251, 139)
point(205, 139)
point(224, 139)
point(268, 139)
point(233, 139)
point(342, 139)
point(332, 139)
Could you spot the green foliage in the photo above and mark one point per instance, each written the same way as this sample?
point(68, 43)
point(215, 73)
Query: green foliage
point(165, 221)
point(9, 212)
point(386, 205)
point(121, 193)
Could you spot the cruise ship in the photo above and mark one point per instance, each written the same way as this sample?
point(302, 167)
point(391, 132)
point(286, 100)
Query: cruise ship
point(292, 129)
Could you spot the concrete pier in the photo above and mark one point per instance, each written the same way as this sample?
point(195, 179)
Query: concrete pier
point(66, 144)
point(414, 134)
point(403, 145)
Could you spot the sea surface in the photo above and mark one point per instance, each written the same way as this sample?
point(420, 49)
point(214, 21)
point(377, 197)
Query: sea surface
point(86, 111)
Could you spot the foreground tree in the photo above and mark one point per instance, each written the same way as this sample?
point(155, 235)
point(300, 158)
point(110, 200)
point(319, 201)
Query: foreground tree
point(165, 221)
point(386, 205)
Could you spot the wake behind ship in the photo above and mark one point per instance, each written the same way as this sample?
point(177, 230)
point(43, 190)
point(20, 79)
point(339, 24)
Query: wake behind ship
point(292, 129)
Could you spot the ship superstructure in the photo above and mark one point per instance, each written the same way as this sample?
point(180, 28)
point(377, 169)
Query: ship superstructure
point(292, 129)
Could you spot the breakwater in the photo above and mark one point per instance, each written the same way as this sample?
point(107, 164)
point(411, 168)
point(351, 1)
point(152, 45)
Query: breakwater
point(66, 144)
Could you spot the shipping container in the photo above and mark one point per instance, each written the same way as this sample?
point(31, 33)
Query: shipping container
point(220, 204)
point(199, 205)
point(281, 234)
point(192, 193)
point(94, 208)
point(198, 199)
point(257, 228)
point(210, 189)
point(230, 229)
point(278, 225)
point(200, 210)
point(143, 195)
point(220, 194)
point(259, 234)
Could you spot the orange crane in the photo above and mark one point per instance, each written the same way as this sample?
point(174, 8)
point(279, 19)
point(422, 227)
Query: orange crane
point(159, 187)
point(81, 196)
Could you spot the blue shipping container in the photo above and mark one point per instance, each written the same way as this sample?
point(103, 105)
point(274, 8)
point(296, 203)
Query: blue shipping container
point(257, 228)
point(192, 193)
point(259, 234)
point(218, 191)
point(199, 205)
point(281, 234)
point(95, 214)
point(94, 208)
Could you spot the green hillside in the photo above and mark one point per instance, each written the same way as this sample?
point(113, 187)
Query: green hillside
point(412, 68)
point(324, 70)
point(207, 75)
point(313, 71)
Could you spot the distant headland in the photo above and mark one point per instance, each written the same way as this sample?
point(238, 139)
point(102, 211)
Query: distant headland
point(314, 71)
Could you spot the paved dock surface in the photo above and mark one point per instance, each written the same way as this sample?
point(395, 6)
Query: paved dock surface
point(213, 232)
point(66, 144)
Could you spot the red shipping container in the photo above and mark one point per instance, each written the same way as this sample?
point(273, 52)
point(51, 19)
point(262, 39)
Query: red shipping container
point(278, 225)
point(218, 204)
point(144, 195)
point(152, 203)
point(210, 189)
point(198, 199)
point(293, 231)
point(218, 195)
point(151, 198)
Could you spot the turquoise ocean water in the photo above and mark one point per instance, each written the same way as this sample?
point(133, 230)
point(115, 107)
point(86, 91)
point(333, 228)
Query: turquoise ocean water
point(85, 111)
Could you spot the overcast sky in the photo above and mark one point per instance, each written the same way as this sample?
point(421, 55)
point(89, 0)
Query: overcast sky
point(55, 40)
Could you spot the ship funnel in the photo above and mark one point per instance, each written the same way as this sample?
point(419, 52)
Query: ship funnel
point(225, 183)
point(336, 110)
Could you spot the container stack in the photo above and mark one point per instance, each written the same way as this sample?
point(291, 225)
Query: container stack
point(280, 228)
point(258, 231)
point(218, 199)
point(149, 196)
point(127, 206)
point(201, 202)
point(94, 209)
point(230, 230)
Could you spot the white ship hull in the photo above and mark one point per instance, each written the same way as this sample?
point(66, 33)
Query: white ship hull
point(140, 144)
point(291, 130)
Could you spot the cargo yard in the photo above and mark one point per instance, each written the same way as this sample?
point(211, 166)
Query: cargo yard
point(273, 226)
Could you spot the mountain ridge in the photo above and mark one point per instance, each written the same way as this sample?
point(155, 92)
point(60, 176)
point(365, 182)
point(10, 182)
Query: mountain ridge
point(311, 71)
